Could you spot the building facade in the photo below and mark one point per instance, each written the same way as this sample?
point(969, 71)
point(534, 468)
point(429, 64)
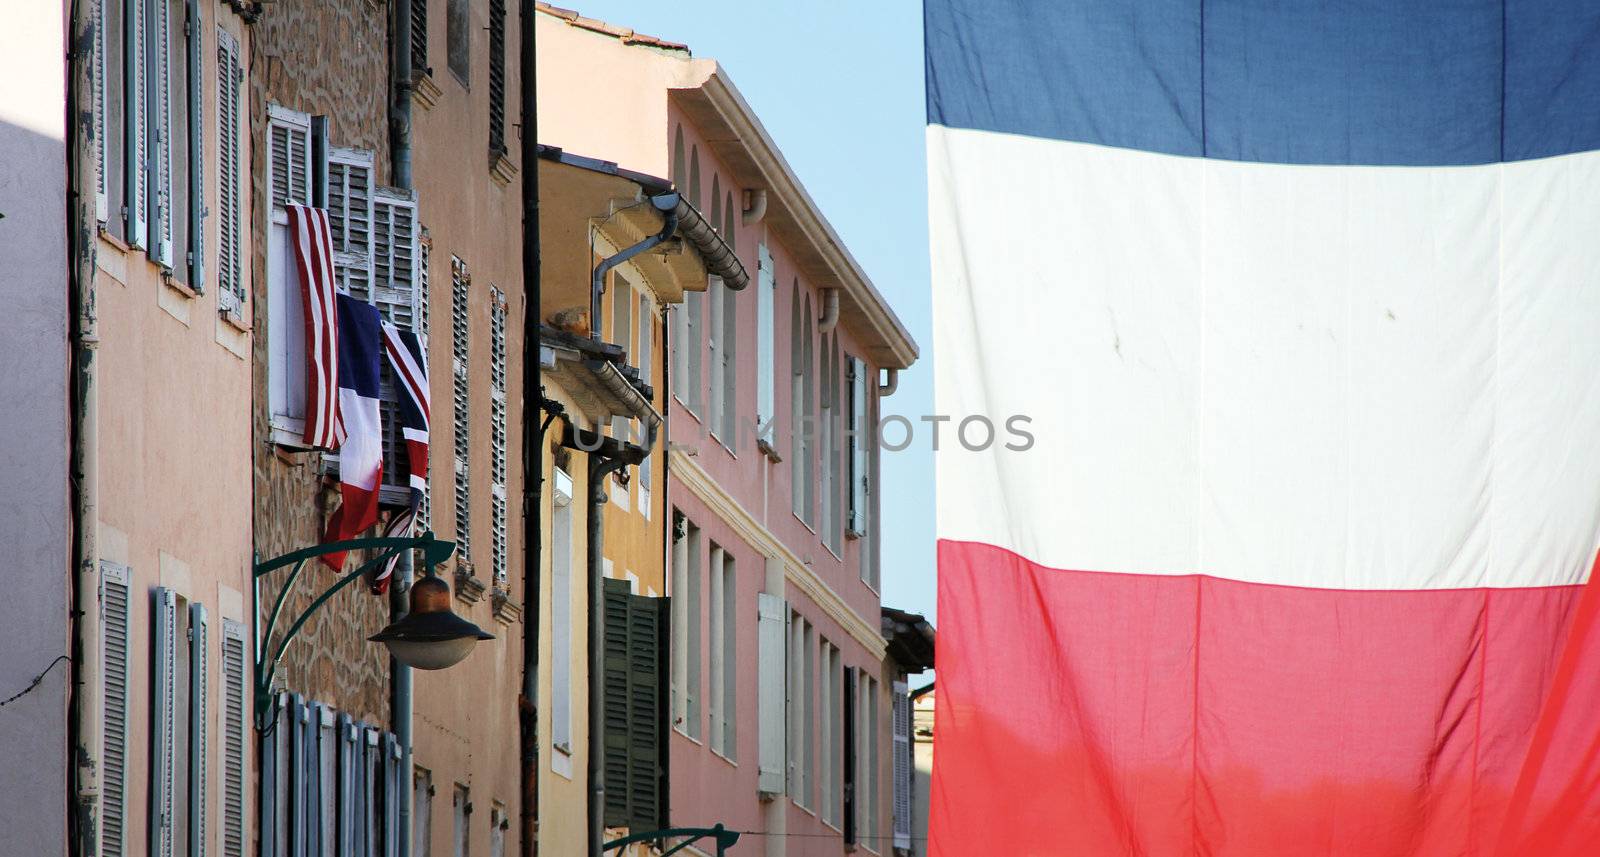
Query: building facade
point(780, 711)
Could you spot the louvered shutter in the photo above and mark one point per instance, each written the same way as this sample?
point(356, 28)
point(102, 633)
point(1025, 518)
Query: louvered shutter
point(163, 720)
point(395, 293)
point(196, 153)
point(159, 87)
point(327, 804)
point(771, 614)
point(300, 765)
point(350, 213)
point(497, 79)
point(461, 401)
point(115, 629)
point(288, 156)
point(347, 786)
point(98, 71)
point(419, 37)
point(634, 717)
point(424, 257)
point(235, 711)
point(393, 793)
point(136, 119)
point(371, 783)
point(230, 176)
point(902, 766)
point(199, 734)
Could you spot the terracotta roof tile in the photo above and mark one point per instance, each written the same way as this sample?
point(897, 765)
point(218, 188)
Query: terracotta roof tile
point(625, 35)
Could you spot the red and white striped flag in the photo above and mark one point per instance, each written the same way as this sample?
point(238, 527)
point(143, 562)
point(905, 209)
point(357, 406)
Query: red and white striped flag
point(313, 251)
point(408, 358)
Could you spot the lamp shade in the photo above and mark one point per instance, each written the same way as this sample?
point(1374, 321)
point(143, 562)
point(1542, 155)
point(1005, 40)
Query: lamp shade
point(430, 636)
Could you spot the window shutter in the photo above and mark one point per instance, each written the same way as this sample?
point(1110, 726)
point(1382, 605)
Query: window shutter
point(633, 736)
point(348, 778)
point(392, 791)
point(859, 438)
point(461, 398)
point(114, 649)
point(230, 176)
point(196, 156)
point(101, 199)
point(288, 156)
point(499, 550)
point(300, 766)
point(766, 335)
point(497, 79)
point(394, 292)
point(163, 720)
point(160, 132)
point(350, 219)
point(771, 613)
point(235, 710)
point(902, 766)
point(199, 734)
point(135, 76)
point(419, 37)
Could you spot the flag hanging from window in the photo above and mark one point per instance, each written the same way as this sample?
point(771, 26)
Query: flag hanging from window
point(361, 453)
point(408, 359)
point(1296, 306)
point(313, 251)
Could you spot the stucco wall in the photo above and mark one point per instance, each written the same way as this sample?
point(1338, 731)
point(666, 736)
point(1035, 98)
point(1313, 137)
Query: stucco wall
point(328, 59)
point(33, 468)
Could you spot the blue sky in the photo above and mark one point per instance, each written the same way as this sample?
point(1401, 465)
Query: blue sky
point(839, 87)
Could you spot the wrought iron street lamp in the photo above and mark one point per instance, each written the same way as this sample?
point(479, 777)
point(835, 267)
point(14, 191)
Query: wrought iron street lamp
point(428, 637)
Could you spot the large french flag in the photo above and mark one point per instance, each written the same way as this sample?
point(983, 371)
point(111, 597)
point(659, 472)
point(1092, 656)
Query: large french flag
point(1302, 302)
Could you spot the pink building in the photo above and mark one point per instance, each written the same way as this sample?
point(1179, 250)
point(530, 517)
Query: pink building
point(781, 696)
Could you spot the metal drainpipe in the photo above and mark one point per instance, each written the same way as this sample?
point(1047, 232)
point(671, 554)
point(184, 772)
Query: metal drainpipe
point(667, 205)
point(84, 720)
point(532, 449)
point(402, 702)
point(599, 469)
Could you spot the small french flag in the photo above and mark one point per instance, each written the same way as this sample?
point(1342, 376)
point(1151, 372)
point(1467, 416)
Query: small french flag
point(361, 454)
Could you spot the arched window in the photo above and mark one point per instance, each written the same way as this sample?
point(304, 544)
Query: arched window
point(835, 448)
point(694, 175)
point(807, 468)
point(678, 161)
point(825, 411)
point(716, 202)
point(727, 221)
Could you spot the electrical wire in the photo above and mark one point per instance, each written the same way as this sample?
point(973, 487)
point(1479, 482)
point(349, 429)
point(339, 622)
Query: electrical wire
point(37, 680)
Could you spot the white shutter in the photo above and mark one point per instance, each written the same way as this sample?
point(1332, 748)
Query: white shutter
point(115, 629)
point(766, 338)
point(860, 436)
point(230, 176)
point(98, 72)
point(199, 734)
point(771, 611)
point(497, 434)
point(163, 721)
point(394, 256)
point(459, 338)
point(350, 213)
point(160, 132)
point(902, 766)
point(288, 156)
point(235, 714)
point(136, 119)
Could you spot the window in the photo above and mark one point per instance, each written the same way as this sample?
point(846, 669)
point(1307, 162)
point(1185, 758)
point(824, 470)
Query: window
point(803, 420)
point(647, 323)
point(421, 799)
point(802, 711)
point(424, 320)
point(830, 730)
point(288, 159)
point(694, 175)
point(857, 428)
point(730, 342)
point(827, 489)
point(869, 751)
point(497, 435)
point(165, 753)
point(199, 750)
point(458, 36)
point(461, 806)
point(104, 118)
point(622, 298)
point(497, 79)
point(419, 38)
point(236, 701)
point(498, 824)
point(834, 447)
point(687, 572)
point(687, 350)
point(115, 630)
point(231, 128)
point(766, 338)
point(461, 396)
point(724, 649)
point(561, 594)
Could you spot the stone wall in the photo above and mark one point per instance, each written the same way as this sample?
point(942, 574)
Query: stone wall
point(331, 59)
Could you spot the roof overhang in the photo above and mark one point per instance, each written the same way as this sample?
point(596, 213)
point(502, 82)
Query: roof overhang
point(737, 137)
point(587, 372)
point(910, 639)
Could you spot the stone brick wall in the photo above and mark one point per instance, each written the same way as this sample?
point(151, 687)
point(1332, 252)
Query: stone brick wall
point(323, 57)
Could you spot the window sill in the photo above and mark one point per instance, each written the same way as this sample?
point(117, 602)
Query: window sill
point(234, 320)
point(116, 243)
point(183, 289)
point(501, 169)
point(687, 737)
point(802, 807)
point(803, 522)
point(767, 449)
point(687, 408)
point(718, 754)
point(424, 92)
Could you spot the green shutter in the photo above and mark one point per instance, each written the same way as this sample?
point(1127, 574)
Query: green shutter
point(635, 628)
